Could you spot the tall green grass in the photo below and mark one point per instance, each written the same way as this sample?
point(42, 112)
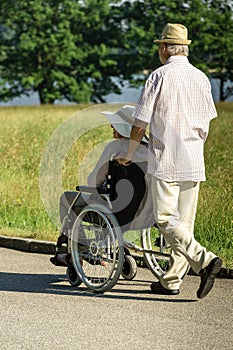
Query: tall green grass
point(24, 134)
point(215, 210)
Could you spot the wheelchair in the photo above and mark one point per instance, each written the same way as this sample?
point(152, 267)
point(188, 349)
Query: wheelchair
point(100, 240)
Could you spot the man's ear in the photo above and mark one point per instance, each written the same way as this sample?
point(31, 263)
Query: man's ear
point(164, 47)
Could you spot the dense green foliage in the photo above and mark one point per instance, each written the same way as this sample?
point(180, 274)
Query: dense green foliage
point(57, 48)
point(24, 135)
point(210, 25)
point(71, 49)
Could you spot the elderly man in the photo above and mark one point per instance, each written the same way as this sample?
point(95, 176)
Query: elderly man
point(177, 104)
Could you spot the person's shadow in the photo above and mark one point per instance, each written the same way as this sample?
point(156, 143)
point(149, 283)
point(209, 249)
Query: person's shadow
point(57, 284)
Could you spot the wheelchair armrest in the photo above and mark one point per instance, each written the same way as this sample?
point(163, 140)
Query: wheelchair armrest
point(89, 189)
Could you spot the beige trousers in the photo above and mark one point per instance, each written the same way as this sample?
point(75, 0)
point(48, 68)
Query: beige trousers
point(174, 206)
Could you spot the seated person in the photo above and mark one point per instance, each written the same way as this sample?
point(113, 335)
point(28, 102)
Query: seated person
point(121, 123)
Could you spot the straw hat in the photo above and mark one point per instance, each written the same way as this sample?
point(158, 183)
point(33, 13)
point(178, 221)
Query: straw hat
point(122, 120)
point(174, 34)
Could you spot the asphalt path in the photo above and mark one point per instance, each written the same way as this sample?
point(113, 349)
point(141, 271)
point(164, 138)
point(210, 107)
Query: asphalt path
point(40, 310)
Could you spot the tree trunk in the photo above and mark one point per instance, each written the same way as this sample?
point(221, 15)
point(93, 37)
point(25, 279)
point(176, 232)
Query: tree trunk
point(43, 96)
point(221, 87)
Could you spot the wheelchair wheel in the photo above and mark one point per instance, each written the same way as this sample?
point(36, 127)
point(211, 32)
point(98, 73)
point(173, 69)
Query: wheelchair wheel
point(97, 248)
point(129, 269)
point(73, 278)
point(157, 262)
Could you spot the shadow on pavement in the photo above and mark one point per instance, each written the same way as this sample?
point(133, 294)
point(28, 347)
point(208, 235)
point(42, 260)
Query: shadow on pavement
point(54, 284)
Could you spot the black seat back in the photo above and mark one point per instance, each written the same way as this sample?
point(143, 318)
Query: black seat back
point(126, 186)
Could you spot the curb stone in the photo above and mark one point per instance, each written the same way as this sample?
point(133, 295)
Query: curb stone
point(28, 245)
point(47, 247)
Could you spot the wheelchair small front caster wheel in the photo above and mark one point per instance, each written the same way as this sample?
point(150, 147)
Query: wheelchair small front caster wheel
point(129, 269)
point(73, 278)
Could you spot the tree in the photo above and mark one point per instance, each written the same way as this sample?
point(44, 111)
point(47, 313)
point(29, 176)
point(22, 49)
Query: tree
point(56, 48)
point(141, 22)
point(220, 50)
point(210, 24)
point(71, 49)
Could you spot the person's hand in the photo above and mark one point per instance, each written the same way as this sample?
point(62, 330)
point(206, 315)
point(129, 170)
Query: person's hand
point(123, 159)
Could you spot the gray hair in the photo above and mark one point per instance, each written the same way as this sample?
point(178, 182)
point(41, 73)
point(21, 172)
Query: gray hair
point(173, 50)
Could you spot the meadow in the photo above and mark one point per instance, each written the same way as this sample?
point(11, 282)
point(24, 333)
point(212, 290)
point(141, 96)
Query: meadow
point(24, 135)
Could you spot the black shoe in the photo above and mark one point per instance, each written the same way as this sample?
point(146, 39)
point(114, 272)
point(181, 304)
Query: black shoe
point(55, 261)
point(208, 275)
point(157, 288)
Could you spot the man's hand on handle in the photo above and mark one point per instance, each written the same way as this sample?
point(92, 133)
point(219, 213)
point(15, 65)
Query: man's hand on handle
point(123, 159)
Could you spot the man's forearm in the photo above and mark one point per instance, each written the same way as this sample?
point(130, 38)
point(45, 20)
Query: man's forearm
point(137, 133)
point(136, 136)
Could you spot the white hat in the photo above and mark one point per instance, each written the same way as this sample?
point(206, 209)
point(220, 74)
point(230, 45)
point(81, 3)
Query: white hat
point(122, 120)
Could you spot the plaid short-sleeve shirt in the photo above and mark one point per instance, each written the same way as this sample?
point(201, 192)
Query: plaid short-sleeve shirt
point(177, 103)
